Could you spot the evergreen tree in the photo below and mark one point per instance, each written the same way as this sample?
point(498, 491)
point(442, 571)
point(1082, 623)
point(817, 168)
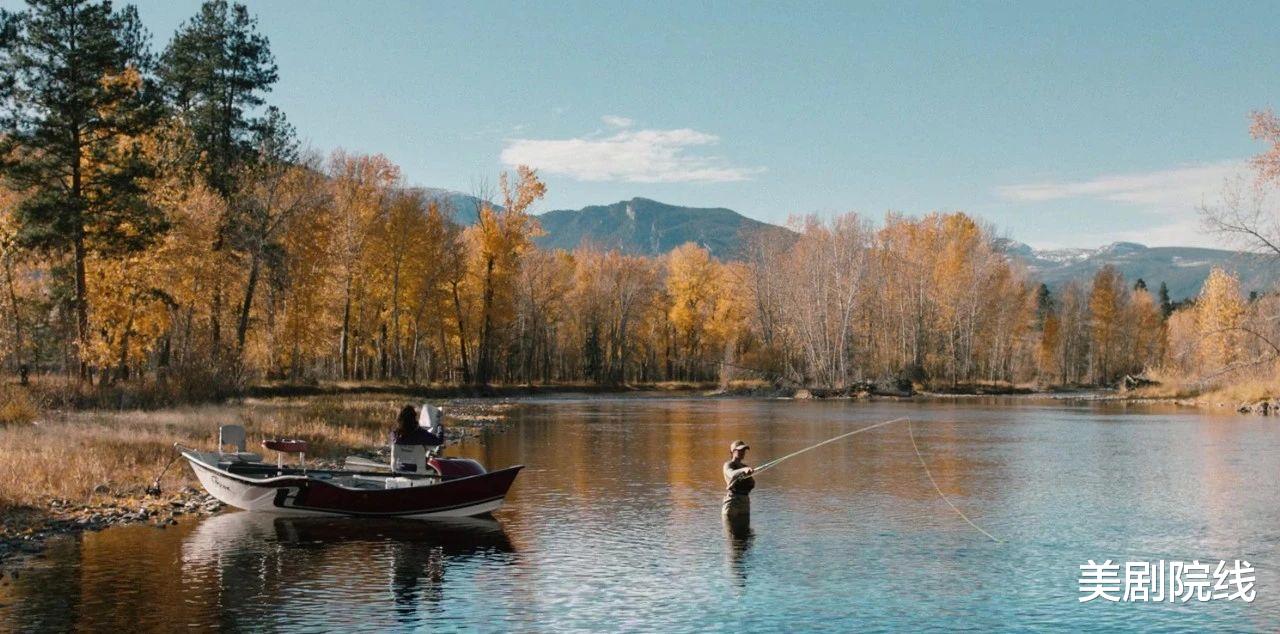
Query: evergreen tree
point(1166, 306)
point(1140, 285)
point(214, 72)
point(76, 106)
point(1044, 304)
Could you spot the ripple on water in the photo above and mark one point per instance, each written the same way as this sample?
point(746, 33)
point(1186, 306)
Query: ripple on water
point(615, 525)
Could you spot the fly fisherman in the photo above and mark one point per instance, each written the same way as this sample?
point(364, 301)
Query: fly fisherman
point(737, 477)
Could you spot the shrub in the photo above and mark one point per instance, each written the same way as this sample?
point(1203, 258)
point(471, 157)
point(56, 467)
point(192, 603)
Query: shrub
point(17, 406)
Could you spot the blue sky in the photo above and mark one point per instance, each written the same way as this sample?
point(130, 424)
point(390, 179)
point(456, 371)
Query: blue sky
point(1064, 124)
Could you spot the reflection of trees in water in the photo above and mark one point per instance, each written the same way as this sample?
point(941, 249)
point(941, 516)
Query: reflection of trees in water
point(261, 569)
point(100, 581)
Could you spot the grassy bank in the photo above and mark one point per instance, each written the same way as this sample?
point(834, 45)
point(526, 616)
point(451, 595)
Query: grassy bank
point(87, 469)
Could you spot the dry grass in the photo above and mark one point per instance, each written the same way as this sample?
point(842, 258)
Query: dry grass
point(188, 386)
point(1235, 388)
point(1166, 389)
point(17, 406)
point(1244, 391)
point(67, 455)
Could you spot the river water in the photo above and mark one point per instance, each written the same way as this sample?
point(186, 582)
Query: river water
point(615, 525)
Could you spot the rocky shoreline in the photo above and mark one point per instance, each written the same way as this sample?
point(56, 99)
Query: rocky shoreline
point(898, 392)
point(32, 528)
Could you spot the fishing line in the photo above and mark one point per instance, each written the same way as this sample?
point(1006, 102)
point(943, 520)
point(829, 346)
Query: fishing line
point(775, 461)
point(939, 489)
point(911, 432)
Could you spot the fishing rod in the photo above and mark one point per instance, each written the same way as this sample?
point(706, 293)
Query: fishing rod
point(776, 461)
point(914, 446)
point(773, 463)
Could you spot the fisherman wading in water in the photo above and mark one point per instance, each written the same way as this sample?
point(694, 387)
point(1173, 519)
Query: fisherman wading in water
point(737, 477)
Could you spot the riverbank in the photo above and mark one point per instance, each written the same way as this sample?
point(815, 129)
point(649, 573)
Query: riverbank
point(69, 471)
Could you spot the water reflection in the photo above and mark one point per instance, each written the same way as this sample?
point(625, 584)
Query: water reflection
point(249, 560)
point(739, 536)
point(614, 525)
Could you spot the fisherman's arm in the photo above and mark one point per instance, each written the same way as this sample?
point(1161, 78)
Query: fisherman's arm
point(733, 475)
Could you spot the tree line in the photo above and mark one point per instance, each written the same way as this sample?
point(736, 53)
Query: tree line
point(162, 222)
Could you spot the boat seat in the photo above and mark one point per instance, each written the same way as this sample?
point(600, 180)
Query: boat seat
point(410, 458)
point(231, 435)
point(287, 445)
point(234, 435)
point(430, 419)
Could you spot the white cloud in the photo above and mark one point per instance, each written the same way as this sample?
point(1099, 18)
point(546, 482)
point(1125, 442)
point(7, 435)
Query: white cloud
point(614, 121)
point(1179, 188)
point(1180, 231)
point(636, 156)
point(1167, 200)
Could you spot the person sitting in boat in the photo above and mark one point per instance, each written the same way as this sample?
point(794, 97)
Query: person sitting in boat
point(737, 477)
point(409, 432)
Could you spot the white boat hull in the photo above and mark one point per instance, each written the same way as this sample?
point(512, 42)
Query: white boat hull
point(302, 495)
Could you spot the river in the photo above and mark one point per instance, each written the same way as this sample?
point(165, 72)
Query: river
point(615, 525)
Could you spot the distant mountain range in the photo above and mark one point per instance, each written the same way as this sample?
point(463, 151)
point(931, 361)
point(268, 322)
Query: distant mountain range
point(464, 208)
point(648, 227)
point(1183, 269)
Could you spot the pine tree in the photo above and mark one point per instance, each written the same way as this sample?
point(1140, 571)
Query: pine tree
point(1166, 306)
point(76, 106)
point(214, 73)
point(1044, 304)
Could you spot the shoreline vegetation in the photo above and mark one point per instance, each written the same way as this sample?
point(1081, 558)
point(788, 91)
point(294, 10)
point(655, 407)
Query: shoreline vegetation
point(202, 251)
point(70, 470)
point(67, 471)
point(204, 266)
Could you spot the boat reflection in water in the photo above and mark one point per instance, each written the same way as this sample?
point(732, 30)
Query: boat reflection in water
point(265, 568)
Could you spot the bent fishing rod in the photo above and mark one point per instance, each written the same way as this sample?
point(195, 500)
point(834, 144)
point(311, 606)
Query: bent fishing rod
point(772, 463)
point(776, 461)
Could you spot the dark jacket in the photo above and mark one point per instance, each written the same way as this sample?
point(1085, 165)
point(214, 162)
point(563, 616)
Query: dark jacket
point(742, 485)
point(416, 436)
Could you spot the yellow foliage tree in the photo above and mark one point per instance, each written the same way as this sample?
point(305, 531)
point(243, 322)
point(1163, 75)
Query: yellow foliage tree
point(1219, 313)
point(499, 238)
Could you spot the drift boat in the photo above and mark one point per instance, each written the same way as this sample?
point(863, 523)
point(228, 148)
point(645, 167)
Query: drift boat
point(416, 484)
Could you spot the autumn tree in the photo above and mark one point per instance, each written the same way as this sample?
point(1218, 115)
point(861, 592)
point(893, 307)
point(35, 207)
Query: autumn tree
point(361, 188)
point(20, 279)
point(1107, 299)
point(824, 275)
point(277, 185)
point(215, 72)
point(1219, 312)
point(542, 303)
point(77, 103)
point(706, 312)
point(501, 235)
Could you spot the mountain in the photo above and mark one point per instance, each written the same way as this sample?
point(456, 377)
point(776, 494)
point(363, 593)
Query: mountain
point(648, 227)
point(465, 209)
point(1183, 269)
